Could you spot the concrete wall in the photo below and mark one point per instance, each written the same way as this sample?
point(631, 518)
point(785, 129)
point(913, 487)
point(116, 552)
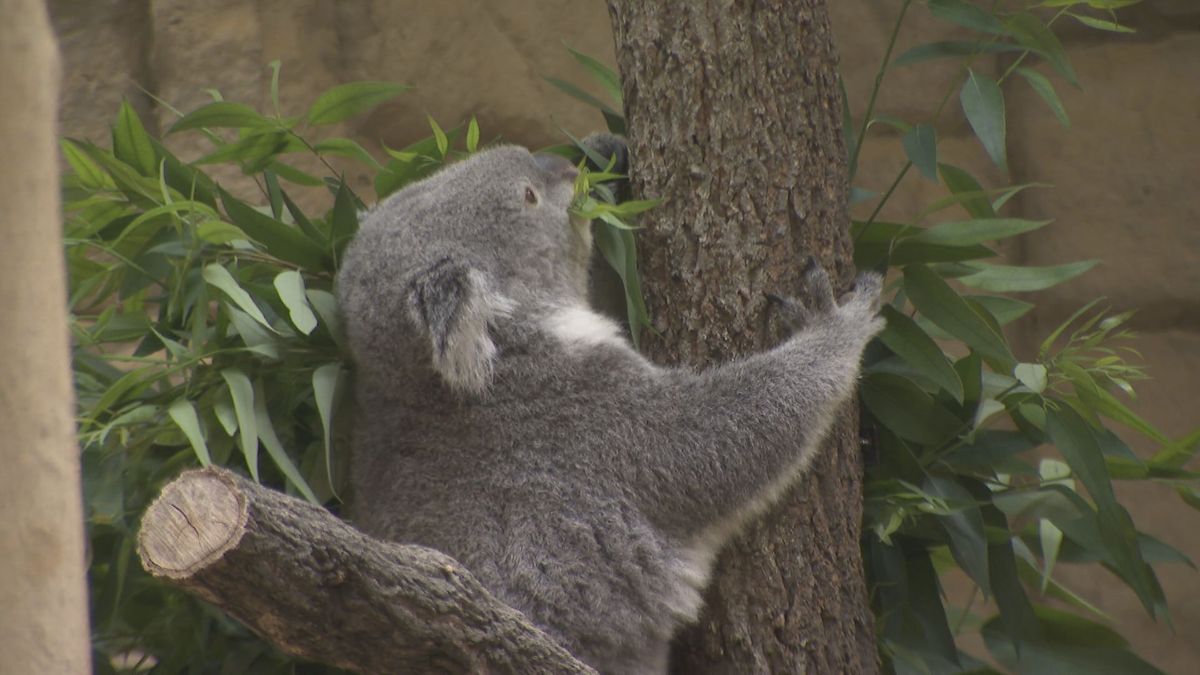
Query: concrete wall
point(1126, 173)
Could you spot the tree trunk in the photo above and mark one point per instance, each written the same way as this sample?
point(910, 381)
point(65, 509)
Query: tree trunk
point(43, 596)
point(734, 115)
point(317, 588)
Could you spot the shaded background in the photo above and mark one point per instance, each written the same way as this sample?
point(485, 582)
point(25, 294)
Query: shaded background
point(1126, 174)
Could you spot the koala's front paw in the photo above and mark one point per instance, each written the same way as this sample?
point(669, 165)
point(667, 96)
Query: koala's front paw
point(858, 306)
point(609, 147)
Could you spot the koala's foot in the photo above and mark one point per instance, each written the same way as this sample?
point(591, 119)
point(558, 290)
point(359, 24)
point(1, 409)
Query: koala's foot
point(609, 147)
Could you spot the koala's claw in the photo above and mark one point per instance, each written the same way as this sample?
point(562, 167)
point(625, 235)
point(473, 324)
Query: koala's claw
point(818, 290)
point(866, 291)
point(792, 311)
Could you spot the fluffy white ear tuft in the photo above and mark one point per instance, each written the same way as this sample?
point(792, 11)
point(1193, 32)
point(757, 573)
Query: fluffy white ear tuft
point(456, 305)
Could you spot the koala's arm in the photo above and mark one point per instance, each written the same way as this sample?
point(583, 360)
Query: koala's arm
point(728, 440)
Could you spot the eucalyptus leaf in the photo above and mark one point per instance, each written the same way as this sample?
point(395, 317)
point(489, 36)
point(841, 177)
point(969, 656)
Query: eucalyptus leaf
point(906, 339)
point(1045, 89)
point(1008, 279)
point(223, 114)
point(183, 413)
point(351, 99)
point(937, 301)
point(920, 145)
point(131, 143)
point(275, 450)
point(983, 103)
point(290, 286)
point(241, 391)
point(218, 276)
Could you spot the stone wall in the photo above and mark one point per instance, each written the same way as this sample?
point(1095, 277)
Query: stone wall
point(1126, 171)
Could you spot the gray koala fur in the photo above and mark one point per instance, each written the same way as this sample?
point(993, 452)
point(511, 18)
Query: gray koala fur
point(503, 422)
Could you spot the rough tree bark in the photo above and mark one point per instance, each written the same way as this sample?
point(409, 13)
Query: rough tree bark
point(43, 598)
point(734, 115)
point(317, 588)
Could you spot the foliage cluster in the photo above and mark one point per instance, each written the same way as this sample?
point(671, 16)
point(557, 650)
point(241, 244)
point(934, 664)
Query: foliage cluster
point(960, 484)
point(205, 332)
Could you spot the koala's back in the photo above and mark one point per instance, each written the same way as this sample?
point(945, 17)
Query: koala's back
point(519, 487)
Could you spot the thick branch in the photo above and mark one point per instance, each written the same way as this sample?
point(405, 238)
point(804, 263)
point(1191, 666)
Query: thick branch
point(318, 588)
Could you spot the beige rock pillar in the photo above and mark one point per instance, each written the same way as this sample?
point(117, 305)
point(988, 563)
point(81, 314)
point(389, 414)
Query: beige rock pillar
point(43, 596)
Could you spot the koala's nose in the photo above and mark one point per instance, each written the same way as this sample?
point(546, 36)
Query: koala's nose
point(556, 167)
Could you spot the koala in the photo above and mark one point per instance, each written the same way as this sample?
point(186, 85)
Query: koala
point(503, 422)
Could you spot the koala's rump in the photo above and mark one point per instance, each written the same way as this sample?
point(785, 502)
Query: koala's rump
point(584, 566)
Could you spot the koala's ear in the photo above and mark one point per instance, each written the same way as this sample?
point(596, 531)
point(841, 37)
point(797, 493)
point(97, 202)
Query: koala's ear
point(455, 304)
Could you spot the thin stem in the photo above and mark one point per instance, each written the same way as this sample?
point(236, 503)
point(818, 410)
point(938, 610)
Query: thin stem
point(883, 200)
point(887, 57)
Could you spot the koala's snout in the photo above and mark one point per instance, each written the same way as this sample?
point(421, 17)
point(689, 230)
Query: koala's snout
point(556, 168)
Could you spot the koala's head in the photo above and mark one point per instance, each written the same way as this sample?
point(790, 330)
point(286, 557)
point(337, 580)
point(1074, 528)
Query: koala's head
point(506, 210)
point(465, 246)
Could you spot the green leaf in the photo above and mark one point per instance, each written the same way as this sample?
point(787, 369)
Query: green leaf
point(472, 135)
point(1007, 279)
point(1045, 89)
point(951, 49)
point(983, 103)
point(967, 16)
point(131, 143)
point(606, 76)
point(274, 66)
point(920, 146)
point(90, 174)
point(443, 144)
point(183, 413)
point(351, 99)
point(281, 240)
point(216, 275)
point(1100, 24)
point(223, 114)
point(1101, 401)
point(1033, 34)
point(925, 602)
point(294, 175)
point(256, 338)
point(242, 393)
point(126, 178)
point(344, 147)
point(326, 307)
point(945, 308)
point(581, 95)
point(219, 232)
point(290, 286)
point(1069, 644)
point(343, 219)
point(1032, 375)
point(1077, 443)
point(968, 543)
point(275, 449)
point(306, 226)
point(907, 411)
point(274, 193)
point(960, 182)
point(907, 340)
point(619, 249)
point(977, 231)
point(255, 150)
point(1003, 309)
point(326, 384)
point(1016, 613)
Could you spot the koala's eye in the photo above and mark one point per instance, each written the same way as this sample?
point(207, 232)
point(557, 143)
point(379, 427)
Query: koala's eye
point(531, 197)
